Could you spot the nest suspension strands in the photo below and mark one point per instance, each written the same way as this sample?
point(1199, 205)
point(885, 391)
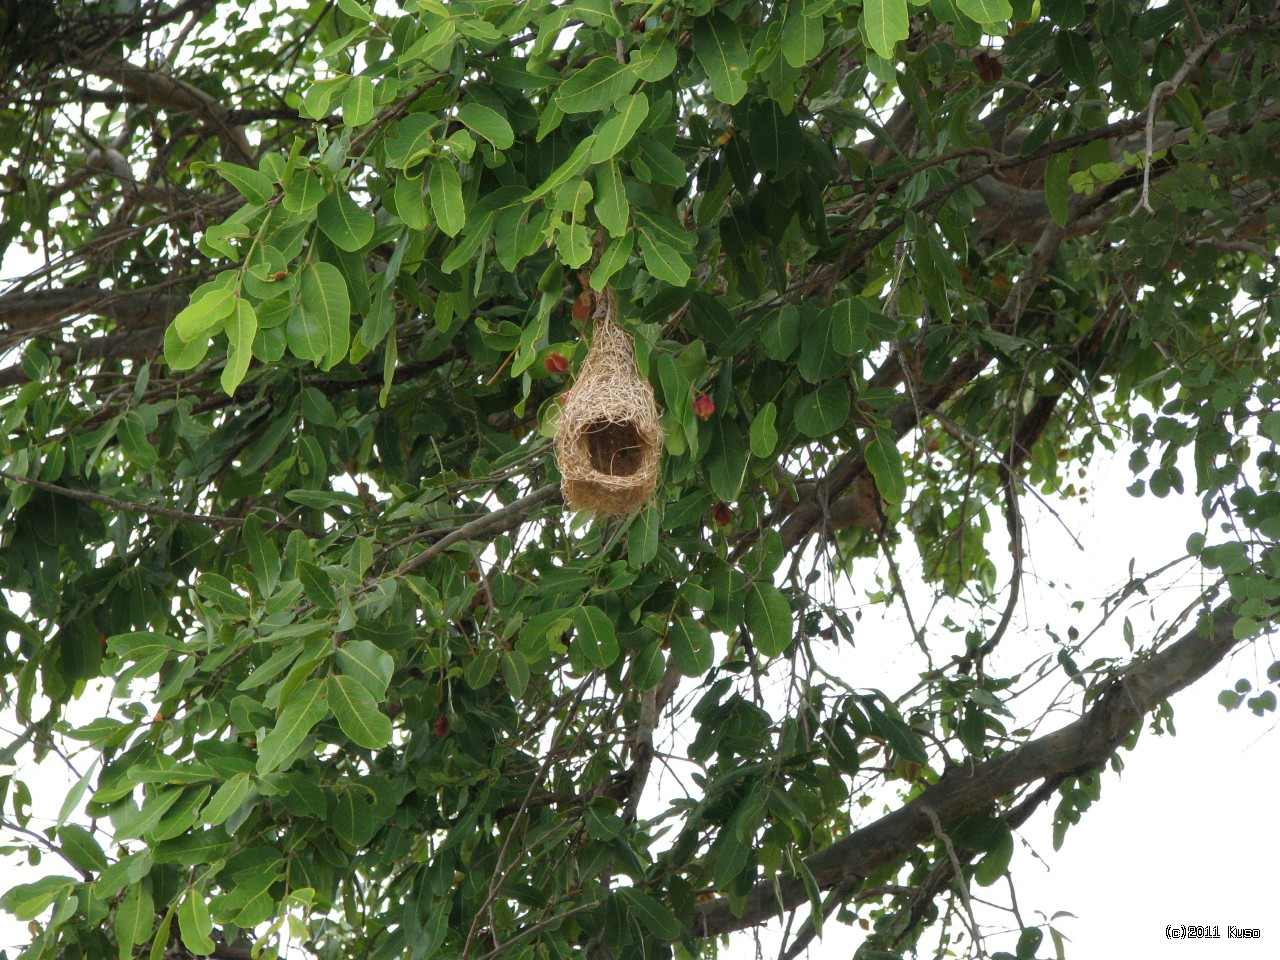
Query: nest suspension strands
point(609, 441)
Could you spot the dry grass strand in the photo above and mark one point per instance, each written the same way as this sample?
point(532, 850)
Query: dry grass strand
point(609, 440)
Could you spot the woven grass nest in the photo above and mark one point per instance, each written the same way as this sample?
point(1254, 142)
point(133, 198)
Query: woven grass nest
point(609, 439)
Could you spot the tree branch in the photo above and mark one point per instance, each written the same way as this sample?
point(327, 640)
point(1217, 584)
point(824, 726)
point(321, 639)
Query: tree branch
point(1168, 88)
point(1081, 745)
point(126, 506)
point(490, 525)
point(179, 96)
point(135, 308)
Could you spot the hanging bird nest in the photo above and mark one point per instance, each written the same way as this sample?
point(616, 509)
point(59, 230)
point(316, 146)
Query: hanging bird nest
point(609, 439)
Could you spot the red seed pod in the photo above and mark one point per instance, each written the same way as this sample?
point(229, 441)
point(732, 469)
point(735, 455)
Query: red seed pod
point(703, 406)
point(582, 307)
point(721, 514)
point(441, 727)
point(556, 362)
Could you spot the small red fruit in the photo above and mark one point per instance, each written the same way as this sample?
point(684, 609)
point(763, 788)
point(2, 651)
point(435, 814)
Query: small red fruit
point(703, 406)
point(441, 727)
point(556, 362)
point(721, 514)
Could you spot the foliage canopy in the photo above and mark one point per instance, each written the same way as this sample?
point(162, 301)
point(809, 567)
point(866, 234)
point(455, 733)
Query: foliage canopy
point(301, 284)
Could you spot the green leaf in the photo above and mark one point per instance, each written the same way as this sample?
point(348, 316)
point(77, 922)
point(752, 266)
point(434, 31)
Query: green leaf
point(445, 189)
point(306, 335)
point(227, 799)
point(885, 23)
point(1075, 56)
point(195, 924)
point(595, 86)
point(434, 47)
point(995, 864)
point(345, 222)
point(303, 711)
point(820, 357)
point(729, 858)
point(368, 664)
point(133, 920)
point(205, 846)
point(719, 49)
point(254, 185)
point(410, 201)
point(28, 900)
point(204, 315)
point(477, 234)
point(768, 618)
point(596, 640)
point(357, 102)
point(357, 712)
point(655, 59)
point(616, 132)
point(781, 335)
point(315, 582)
point(515, 672)
point(648, 667)
point(885, 464)
point(264, 558)
point(1056, 189)
point(182, 354)
point(656, 916)
point(304, 192)
point(612, 209)
point(241, 328)
point(614, 258)
point(802, 38)
point(824, 411)
point(325, 300)
point(764, 435)
point(986, 11)
point(726, 457)
point(848, 322)
point(488, 123)
point(663, 260)
point(140, 643)
point(410, 141)
point(1029, 942)
point(692, 650)
point(889, 723)
point(642, 538)
point(571, 168)
point(1270, 426)
point(132, 433)
point(573, 240)
point(81, 848)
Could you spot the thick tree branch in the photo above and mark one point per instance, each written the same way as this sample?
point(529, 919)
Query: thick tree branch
point(162, 90)
point(1082, 745)
point(135, 308)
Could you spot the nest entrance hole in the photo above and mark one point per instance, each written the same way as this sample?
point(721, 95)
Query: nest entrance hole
point(614, 447)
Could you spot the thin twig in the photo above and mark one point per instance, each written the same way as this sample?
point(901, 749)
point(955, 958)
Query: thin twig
point(959, 878)
point(1167, 88)
point(491, 523)
point(129, 506)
